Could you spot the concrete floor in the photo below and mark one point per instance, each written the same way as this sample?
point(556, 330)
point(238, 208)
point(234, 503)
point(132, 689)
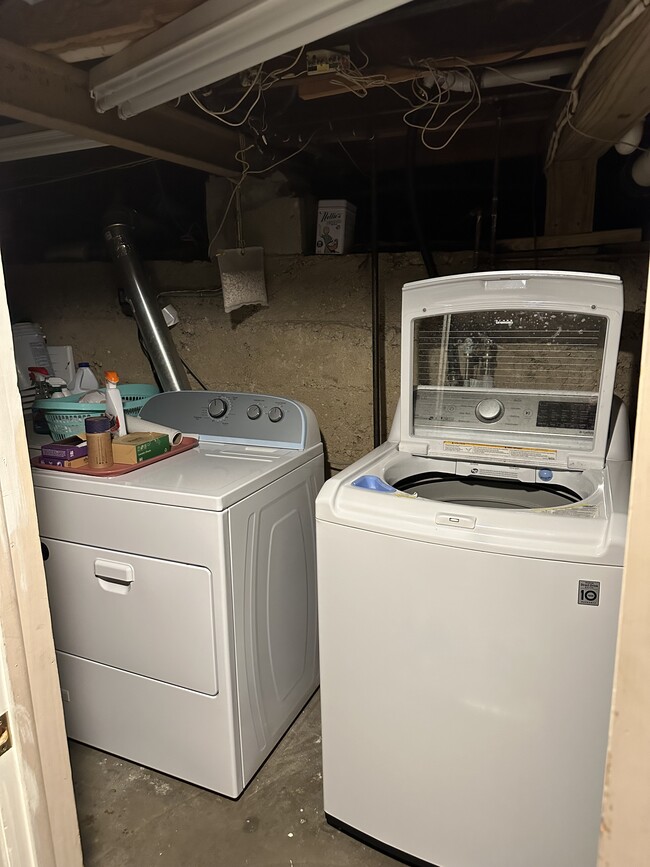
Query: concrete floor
point(130, 816)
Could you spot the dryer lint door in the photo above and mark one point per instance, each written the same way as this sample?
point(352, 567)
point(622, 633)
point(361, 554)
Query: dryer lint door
point(150, 617)
point(510, 367)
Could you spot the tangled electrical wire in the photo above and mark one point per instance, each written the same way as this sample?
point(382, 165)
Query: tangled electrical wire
point(246, 171)
point(256, 88)
point(428, 90)
point(430, 93)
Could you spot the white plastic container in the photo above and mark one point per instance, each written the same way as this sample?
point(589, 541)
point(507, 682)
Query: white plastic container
point(114, 406)
point(30, 350)
point(335, 227)
point(63, 365)
point(84, 379)
point(58, 386)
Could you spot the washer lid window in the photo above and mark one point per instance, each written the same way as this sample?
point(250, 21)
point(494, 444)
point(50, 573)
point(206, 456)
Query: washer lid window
point(510, 371)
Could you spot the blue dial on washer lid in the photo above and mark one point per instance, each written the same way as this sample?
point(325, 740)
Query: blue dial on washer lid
point(545, 475)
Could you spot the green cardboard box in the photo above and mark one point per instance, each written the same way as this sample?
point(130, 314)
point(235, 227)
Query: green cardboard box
point(137, 447)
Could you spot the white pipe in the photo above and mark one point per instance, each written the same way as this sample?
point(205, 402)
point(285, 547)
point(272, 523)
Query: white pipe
point(641, 170)
point(630, 141)
point(541, 70)
point(524, 73)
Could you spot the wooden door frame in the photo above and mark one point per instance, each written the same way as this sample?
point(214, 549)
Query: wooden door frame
point(35, 712)
point(625, 826)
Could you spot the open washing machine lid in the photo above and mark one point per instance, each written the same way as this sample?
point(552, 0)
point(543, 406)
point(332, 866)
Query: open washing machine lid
point(510, 367)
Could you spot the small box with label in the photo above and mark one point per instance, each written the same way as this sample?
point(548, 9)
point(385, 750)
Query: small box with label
point(137, 447)
point(68, 449)
point(73, 463)
point(335, 227)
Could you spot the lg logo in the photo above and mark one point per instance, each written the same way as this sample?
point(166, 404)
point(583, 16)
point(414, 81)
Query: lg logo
point(588, 592)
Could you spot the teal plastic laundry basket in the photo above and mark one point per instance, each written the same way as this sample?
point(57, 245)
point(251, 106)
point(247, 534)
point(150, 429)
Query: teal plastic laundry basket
point(65, 416)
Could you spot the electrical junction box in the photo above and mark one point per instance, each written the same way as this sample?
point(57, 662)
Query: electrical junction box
point(324, 60)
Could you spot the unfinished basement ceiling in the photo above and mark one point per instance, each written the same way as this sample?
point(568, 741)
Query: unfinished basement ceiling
point(397, 73)
point(449, 91)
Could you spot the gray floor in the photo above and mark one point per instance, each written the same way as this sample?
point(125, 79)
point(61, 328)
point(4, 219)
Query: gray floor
point(133, 817)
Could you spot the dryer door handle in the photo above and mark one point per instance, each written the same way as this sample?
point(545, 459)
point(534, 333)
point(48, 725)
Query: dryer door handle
point(114, 577)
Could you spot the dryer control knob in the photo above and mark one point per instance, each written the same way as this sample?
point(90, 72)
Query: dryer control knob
point(275, 414)
point(217, 408)
point(253, 411)
point(489, 409)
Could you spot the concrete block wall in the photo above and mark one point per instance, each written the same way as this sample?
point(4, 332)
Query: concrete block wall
point(312, 343)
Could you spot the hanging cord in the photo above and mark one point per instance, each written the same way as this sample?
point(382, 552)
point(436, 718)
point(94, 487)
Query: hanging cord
point(145, 352)
point(193, 375)
point(246, 171)
point(425, 252)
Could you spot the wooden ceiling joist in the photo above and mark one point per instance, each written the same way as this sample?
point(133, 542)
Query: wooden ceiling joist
point(318, 86)
point(610, 88)
point(43, 90)
point(77, 30)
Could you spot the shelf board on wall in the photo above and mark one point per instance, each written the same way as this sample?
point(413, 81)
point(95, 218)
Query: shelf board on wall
point(558, 242)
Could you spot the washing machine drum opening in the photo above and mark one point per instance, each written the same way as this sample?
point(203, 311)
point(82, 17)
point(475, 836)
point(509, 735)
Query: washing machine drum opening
point(486, 493)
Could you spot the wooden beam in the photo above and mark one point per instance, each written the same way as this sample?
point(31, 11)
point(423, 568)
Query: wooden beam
point(43, 90)
point(570, 196)
point(558, 242)
point(625, 830)
point(613, 92)
point(318, 86)
point(73, 30)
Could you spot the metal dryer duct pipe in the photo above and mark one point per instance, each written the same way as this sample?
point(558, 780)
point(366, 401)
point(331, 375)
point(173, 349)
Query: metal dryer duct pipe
point(151, 322)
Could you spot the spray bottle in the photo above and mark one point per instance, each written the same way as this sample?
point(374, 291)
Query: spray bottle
point(114, 406)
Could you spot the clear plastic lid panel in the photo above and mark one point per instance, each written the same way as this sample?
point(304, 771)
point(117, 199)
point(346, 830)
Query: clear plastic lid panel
point(543, 368)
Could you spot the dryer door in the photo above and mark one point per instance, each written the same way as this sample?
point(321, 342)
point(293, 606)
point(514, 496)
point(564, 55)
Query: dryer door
point(139, 614)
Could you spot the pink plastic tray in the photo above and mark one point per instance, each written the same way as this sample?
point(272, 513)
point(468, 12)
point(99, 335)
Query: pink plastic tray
point(185, 445)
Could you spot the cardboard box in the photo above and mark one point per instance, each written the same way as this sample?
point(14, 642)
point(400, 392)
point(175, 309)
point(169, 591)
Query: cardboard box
point(137, 447)
point(282, 226)
point(61, 462)
point(68, 449)
point(335, 228)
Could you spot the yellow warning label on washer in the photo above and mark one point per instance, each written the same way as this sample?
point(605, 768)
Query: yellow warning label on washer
point(511, 454)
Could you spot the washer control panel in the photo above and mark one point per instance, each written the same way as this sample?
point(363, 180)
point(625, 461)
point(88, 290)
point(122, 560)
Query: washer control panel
point(255, 419)
point(551, 413)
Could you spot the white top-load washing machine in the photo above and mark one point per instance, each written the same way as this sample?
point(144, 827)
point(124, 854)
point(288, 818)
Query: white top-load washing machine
point(469, 576)
point(183, 594)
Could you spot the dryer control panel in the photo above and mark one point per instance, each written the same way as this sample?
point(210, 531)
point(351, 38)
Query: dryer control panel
point(233, 417)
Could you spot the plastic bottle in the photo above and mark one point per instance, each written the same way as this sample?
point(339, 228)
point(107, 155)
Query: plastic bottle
point(58, 386)
point(98, 437)
point(42, 391)
point(84, 379)
point(114, 405)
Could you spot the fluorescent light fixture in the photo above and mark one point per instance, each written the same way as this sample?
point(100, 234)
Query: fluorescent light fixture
point(217, 39)
point(22, 141)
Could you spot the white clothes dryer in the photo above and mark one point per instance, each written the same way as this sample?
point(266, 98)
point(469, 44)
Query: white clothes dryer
point(183, 594)
point(469, 576)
